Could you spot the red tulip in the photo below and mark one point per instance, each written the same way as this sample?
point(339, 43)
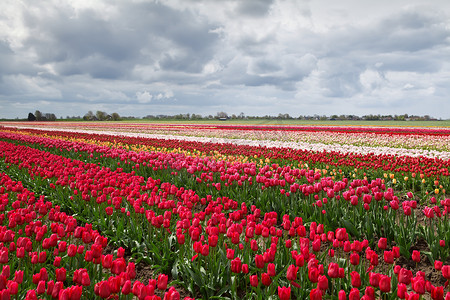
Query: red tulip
point(356, 279)
point(62, 246)
point(181, 239)
point(446, 271)
point(396, 251)
point(259, 261)
point(120, 252)
point(236, 265)
point(172, 294)
point(271, 269)
point(313, 275)
point(418, 284)
point(230, 253)
point(354, 259)
point(437, 293)
point(104, 289)
point(316, 245)
point(64, 294)
point(315, 294)
point(405, 276)
point(31, 294)
point(72, 250)
point(333, 270)
point(50, 286)
point(254, 245)
point(354, 294)
point(13, 288)
point(401, 290)
point(292, 273)
point(60, 274)
point(126, 289)
point(205, 250)
point(18, 276)
point(245, 268)
point(131, 270)
point(57, 288)
point(162, 281)
point(382, 243)
point(265, 279)
point(57, 261)
point(389, 257)
point(385, 284)
point(118, 266)
point(213, 240)
point(374, 279)
point(322, 283)
point(254, 280)
point(369, 293)
point(20, 252)
point(415, 256)
point(85, 280)
point(40, 287)
point(284, 293)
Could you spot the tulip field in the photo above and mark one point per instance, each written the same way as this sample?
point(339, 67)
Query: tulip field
point(216, 211)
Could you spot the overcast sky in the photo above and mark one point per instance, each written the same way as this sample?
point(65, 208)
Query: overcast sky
point(258, 57)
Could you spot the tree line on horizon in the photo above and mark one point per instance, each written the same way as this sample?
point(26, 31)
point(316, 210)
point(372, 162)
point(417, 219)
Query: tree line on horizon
point(103, 116)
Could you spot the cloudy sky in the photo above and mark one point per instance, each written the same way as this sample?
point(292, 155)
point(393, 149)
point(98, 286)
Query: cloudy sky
point(302, 57)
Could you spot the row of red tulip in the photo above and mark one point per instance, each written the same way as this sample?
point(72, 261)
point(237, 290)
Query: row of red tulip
point(51, 255)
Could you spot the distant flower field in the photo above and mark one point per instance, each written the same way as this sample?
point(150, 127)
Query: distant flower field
point(182, 211)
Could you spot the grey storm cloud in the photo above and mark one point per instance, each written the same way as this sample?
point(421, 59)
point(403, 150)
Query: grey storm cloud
point(254, 8)
point(143, 33)
point(206, 55)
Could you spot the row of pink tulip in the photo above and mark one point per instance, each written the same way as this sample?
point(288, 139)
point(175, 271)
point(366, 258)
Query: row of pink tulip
point(407, 138)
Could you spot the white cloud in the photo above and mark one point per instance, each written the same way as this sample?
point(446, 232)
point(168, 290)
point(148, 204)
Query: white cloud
point(371, 79)
point(144, 97)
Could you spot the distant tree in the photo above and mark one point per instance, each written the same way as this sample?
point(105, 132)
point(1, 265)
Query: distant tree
point(196, 117)
point(221, 115)
point(101, 115)
point(115, 116)
point(38, 115)
point(31, 117)
point(50, 117)
point(89, 116)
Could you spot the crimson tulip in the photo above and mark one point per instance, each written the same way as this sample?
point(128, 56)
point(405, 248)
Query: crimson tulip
point(236, 265)
point(284, 293)
point(355, 279)
point(385, 284)
point(265, 279)
point(322, 283)
point(271, 269)
point(162, 281)
point(254, 280)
